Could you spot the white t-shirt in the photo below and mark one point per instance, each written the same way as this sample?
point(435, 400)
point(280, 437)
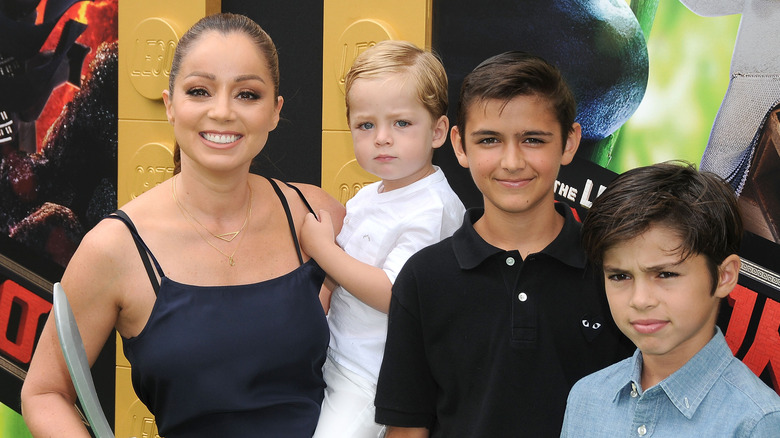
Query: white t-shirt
point(384, 230)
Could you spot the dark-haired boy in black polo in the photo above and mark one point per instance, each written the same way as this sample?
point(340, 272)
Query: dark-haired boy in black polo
point(489, 329)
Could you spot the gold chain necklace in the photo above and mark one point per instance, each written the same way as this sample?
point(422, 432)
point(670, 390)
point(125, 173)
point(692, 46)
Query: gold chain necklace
point(189, 215)
point(227, 237)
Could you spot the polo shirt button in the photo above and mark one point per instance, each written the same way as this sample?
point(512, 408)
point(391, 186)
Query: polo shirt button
point(642, 430)
point(510, 261)
point(522, 296)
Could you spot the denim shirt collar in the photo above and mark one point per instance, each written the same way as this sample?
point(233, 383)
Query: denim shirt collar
point(471, 249)
point(687, 387)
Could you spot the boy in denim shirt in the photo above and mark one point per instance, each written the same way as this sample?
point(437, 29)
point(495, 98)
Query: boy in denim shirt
point(666, 238)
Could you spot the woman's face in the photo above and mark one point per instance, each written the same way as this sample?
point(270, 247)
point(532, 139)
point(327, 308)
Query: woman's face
point(222, 106)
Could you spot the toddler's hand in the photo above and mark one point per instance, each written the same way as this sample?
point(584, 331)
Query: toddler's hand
point(316, 235)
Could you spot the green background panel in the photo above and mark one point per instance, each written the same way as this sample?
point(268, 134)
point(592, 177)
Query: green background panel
point(689, 73)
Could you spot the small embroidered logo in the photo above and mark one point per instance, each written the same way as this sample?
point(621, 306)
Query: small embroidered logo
point(591, 326)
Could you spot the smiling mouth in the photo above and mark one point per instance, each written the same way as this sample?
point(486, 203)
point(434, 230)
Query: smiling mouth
point(220, 138)
point(514, 182)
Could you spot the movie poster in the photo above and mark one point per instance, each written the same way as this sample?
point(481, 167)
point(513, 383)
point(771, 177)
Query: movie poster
point(714, 101)
point(58, 75)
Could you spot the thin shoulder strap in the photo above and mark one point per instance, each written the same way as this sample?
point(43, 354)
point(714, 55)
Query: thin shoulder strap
point(303, 198)
point(287, 211)
point(143, 250)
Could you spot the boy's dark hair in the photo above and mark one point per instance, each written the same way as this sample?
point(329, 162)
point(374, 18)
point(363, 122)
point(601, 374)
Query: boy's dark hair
point(511, 74)
point(699, 206)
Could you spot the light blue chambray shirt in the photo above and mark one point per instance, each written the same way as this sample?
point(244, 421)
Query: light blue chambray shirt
point(713, 395)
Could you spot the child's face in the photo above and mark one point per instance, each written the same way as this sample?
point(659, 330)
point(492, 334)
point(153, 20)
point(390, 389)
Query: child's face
point(660, 302)
point(514, 153)
point(392, 132)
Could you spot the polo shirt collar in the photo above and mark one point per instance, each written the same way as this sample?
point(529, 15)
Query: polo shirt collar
point(688, 386)
point(567, 246)
point(471, 249)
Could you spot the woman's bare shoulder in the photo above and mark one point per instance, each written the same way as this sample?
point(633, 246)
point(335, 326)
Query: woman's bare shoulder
point(98, 269)
point(109, 246)
point(103, 248)
point(105, 238)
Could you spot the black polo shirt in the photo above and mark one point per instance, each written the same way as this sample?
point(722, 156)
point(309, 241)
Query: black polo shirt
point(484, 344)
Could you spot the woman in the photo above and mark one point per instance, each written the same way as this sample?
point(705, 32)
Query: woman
point(219, 313)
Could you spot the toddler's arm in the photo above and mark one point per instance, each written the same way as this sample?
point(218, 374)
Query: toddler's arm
point(368, 283)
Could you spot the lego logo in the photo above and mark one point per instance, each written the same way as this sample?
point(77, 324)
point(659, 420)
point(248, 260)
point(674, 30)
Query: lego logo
point(153, 164)
point(355, 39)
point(349, 179)
point(149, 64)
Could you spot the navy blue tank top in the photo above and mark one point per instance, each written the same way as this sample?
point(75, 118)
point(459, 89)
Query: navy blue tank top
point(233, 361)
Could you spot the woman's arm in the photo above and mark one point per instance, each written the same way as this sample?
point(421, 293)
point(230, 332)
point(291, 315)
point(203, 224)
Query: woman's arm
point(90, 282)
